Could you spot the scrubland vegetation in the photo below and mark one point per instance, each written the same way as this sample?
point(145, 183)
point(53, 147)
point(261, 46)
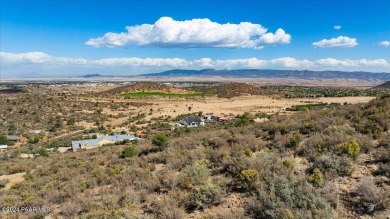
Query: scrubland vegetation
point(303, 92)
point(161, 94)
point(321, 163)
point(54, 115)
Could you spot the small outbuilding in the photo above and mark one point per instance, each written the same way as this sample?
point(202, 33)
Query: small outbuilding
point(3, 148)
point(13, 138)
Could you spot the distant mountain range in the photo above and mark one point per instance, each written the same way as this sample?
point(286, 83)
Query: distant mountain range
point(269, 73)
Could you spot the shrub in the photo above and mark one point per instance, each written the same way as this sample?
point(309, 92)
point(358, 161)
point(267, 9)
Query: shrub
point(33, 140)
point(316, 178)
point(249, 177)
point(371, 198)
point(165, 207)
point(365, 142)
point(385, 141)
point(3, 183)
point(215, 142)
point(42, 152)
point(70, 121)
point(114, 170)
point(384, 169)
point(3, 139)
point(248, 152)
point(193, 176)
point(294, 139)
point(203, 196)
point(129, 151)
point(160, 142)
point(351, 148)
point(345, 166)
point(284, 189)
point(385, 96)
point(289, 162)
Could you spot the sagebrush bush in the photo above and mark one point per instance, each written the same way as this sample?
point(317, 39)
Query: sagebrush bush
point(371, 198)
point(193, 176)
point(249, 177)
point(344, 166)
point(3, 183)
point(316, 178)
point(165, 207)
point(350, 148)
point(204, 195)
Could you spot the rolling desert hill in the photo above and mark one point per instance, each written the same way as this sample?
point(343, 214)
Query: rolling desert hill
point(139, 87)
point(384, 86)
point(229, 90)
point(270, 73)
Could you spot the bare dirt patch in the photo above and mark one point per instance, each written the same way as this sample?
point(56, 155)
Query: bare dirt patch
point(13, 179)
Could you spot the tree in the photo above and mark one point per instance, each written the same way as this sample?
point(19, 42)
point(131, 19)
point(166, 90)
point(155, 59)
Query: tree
point(244, 119)
point(129, 151)
point(160, 142)
point(3, 139)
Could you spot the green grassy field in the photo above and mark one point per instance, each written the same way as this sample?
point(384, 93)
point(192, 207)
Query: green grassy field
point(161, 94)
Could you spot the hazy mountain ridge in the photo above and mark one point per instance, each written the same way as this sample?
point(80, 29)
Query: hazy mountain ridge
point(269, 73)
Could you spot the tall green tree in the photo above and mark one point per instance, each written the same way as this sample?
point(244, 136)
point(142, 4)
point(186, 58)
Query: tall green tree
point(160, 142)
point(3, 139)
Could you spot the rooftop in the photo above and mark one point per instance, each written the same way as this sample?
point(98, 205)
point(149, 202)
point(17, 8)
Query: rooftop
point(95, 142)
point(13, 138)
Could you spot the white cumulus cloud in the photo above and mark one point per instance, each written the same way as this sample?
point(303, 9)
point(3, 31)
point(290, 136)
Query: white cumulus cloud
point(201, 33)
point(289, 62)
point(33, 57)
point(140, 62)
point(337, 27)
point(331, 62)
point(385, 43)
point(339, 42)
point(239, 63)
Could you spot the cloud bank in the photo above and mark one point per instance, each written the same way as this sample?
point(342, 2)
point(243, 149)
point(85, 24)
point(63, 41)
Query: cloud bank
point(195, 33)
point(38, 64)
point(339, 42)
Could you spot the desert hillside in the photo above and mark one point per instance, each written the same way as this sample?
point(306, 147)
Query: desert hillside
point(326, 163)
point(384, 86)
point(229, 90)
point(136, 87)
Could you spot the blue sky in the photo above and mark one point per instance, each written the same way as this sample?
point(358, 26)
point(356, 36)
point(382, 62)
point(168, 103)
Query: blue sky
point(43, 38)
